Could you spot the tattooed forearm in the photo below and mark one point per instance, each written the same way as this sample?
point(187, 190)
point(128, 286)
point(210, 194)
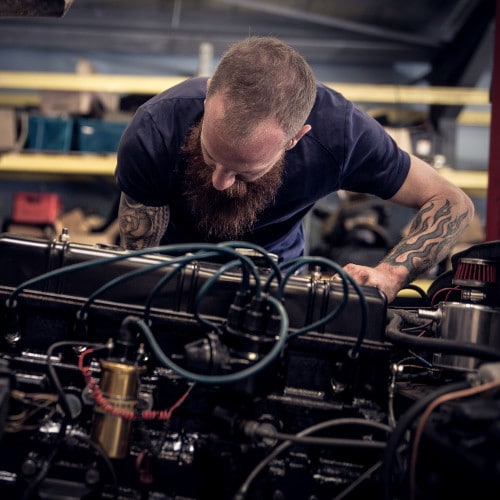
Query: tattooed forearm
point(432, 234)
point(141, 226)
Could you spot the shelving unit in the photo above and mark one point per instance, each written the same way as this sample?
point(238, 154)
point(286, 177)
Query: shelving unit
point(55, 163)
point(14, 84)
point(473, 182)
point(136, 84)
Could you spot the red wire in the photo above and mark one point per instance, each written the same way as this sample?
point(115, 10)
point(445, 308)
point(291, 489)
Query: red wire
point(448, 290)
point(108, 407)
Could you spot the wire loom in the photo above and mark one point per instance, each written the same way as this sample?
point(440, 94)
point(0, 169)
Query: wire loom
point(209, 371)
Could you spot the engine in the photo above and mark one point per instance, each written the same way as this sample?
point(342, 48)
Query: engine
point(211, 371)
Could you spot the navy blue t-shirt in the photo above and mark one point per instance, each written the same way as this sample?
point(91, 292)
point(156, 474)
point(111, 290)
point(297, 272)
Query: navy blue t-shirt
point(345, 149)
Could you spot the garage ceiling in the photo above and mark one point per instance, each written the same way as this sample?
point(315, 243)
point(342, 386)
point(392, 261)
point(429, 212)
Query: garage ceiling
point(449, 35)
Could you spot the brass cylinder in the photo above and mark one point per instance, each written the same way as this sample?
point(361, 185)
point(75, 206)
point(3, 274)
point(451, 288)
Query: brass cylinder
point(119, 386)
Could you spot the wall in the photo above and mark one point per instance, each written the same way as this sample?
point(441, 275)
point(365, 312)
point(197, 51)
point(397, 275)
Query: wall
point(98, 195)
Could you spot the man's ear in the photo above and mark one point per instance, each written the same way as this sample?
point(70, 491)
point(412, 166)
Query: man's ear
point(208, 83)
point(303, 131)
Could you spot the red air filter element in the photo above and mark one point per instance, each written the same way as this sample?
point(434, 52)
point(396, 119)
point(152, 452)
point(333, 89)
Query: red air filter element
point(475, 272)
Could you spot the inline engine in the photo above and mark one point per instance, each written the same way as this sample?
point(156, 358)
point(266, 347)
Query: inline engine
point(211, 371)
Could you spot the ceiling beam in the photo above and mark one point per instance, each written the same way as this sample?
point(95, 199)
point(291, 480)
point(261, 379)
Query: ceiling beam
point(334, 22)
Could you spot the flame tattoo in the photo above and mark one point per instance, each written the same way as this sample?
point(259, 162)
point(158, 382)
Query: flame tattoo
point(431, 235)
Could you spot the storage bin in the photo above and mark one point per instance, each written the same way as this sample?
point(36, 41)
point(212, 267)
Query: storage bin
point(36, 208)
point(99, 136)
point(49, 133)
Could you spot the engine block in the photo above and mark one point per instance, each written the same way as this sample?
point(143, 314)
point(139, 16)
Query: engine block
point(213, 372)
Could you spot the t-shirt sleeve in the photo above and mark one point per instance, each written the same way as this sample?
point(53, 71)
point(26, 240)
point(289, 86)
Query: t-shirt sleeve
point(373, 162)
point(139, 173)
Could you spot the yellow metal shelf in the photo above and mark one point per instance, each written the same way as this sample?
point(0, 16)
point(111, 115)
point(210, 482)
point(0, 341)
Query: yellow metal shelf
point(20, 99)
point(475, 118)
point(472, 181)
point(121, 84)
point(55, 163)
point(445, 96)
point(136, 84)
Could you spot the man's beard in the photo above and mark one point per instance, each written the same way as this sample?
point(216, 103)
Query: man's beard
point(228, 214)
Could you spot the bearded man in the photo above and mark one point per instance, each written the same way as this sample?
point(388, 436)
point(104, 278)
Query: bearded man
point(246, 154)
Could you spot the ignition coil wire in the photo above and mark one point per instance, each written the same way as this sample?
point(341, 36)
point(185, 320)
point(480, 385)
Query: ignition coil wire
point(159, 285)
point(109, 408)
point(275, 351)
point(165, 279)
point(448, 291)
point(206, 287)
point(82, 313)
point(179, 263)
point(295, 264)
point(262, 251)
point(11, 301)
point(55, 379)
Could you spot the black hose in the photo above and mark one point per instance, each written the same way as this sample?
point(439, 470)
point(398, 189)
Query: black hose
point(403, 425)
point(394, 334)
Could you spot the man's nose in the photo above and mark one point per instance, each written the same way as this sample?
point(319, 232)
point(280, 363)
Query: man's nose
point(222, 178)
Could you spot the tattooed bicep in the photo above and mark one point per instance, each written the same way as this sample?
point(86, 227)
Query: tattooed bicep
point(141, 225)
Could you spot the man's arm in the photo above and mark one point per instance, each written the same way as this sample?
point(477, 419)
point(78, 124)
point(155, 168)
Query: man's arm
point(444, 212)
point(141, 226)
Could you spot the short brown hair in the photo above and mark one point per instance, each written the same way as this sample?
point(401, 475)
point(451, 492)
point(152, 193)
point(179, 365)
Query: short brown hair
point(262, 77)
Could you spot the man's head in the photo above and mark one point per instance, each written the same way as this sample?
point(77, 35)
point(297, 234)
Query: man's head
point(256, 108)
point(257, 104)
point(262, 78)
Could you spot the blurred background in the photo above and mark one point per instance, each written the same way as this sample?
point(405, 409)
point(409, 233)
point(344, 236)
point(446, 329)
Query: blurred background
point(387, 56)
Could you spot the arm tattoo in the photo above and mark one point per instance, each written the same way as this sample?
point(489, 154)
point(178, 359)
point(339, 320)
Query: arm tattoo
point(432, 235)
point(141, 226)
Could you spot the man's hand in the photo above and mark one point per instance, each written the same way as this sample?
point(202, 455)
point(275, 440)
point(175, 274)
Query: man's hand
point(387, 278)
